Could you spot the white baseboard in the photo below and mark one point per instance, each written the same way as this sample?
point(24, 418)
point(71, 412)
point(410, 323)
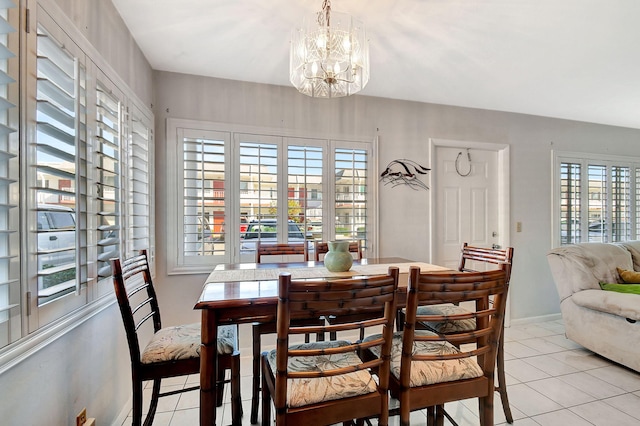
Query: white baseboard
point(533, 320)
point(122, 416)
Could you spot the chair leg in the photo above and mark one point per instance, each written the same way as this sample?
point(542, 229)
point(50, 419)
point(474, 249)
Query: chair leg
point(486, 410)
point(405, 411)
point(236, 399)
point(154, 402)
point(266, 401)
point(502, 384)
point(439, 415)
point(400, 320)
point(255, 392)
point(220, 386)
point(137, 403)
point(431, 416)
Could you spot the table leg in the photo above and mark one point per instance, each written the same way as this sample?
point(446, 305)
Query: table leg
point(208, 367)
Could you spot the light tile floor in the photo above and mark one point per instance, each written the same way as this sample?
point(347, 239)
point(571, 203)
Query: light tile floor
point(551, 382)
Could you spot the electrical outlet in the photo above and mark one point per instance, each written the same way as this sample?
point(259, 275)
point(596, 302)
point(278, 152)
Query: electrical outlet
point(81, 418)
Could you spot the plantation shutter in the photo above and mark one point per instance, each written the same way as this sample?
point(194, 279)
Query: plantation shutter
point(351, 189)
point(204, 186)
point(10, 322)
point(60, 144)
point(109, 168)
point(140, 186)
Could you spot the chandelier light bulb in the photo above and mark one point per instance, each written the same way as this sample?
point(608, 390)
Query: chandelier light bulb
point(346, 44)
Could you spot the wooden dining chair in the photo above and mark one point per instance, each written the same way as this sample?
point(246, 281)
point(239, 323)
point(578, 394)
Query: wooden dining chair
point(321, 247)
point(474, 259)
point(503, 259)
point(172, 351)
point(324, 383)
point(268, 326)
point(429, 369)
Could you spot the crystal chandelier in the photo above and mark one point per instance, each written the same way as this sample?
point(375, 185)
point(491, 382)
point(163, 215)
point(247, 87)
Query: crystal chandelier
point(329, 55)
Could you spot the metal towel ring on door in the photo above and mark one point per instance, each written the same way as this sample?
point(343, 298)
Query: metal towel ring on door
point(458, 159)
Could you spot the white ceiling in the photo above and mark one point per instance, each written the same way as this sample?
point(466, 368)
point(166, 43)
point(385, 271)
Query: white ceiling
point(573, 59)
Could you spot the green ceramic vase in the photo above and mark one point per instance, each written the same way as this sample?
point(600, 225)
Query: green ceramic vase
point(338, 259)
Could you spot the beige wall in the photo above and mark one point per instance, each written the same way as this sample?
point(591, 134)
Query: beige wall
point(404, 129)
point(100, 23)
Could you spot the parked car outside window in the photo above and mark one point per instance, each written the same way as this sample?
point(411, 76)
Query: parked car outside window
point(56, 249)
point(266, 231)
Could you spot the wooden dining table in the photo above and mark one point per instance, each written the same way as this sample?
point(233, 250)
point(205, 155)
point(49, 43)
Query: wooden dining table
point(248, 292)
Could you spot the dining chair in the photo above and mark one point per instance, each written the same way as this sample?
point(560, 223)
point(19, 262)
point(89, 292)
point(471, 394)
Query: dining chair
point(268, 326)
point(503, 258)
point(473, 259)
point(321, 247)
point(172, 351)
point(429, 369)
point(323, 383)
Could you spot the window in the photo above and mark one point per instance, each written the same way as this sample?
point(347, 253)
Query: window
point(259, 168)
point(305, 184)
point(351, 171)
point(610, 212)
point(79, 175)
point(240, 187)
point(203, 178)
point(140, 179)
point(60, 142)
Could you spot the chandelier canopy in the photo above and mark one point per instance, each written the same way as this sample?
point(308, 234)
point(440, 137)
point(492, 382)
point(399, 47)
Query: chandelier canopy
point(329, 55)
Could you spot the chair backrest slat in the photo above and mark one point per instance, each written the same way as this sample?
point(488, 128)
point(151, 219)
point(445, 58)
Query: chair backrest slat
point(141, 305)
point(281, 249)
point(144, 319)
point(133, 291)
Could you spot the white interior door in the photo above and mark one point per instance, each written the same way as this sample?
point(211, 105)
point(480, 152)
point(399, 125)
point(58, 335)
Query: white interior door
point(466, 201)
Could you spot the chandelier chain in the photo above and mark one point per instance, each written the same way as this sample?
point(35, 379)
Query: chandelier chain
point(325, 14)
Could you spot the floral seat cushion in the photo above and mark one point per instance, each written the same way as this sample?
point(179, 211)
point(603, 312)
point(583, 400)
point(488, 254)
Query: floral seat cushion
point(183, 342)
point(447, 326)
point(430, 372)
point(307, 391)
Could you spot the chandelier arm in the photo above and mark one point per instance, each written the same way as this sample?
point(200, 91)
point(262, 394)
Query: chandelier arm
point(334, 76)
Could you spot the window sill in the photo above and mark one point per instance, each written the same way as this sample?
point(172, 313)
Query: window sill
point(190, 269)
